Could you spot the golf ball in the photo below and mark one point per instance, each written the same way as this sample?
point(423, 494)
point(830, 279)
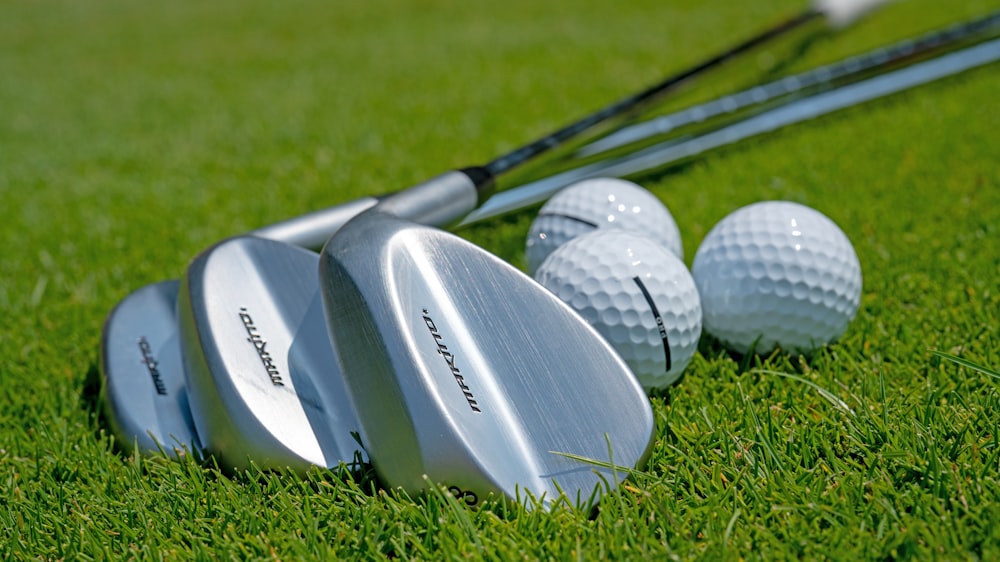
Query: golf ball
point(599, 203)
point(777, 274)
point(635, 293)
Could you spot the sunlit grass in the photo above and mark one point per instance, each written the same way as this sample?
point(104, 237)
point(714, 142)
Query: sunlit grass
point(133, 136)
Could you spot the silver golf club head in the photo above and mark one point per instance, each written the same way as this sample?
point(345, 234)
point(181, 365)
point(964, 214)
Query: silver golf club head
point(254, 341)
point(144, 384)
point(464, 369)
point(144, 388)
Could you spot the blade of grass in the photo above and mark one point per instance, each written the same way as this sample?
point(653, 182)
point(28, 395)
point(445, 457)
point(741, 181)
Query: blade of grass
point(826, 394)
point(966, 363)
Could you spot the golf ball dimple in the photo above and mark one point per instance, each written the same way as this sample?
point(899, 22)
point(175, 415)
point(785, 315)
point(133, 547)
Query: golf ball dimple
point(637, 294)
point(594, 204)
point(777, 274)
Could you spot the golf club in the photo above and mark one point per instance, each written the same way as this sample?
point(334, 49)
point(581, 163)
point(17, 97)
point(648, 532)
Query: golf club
point(463, 370)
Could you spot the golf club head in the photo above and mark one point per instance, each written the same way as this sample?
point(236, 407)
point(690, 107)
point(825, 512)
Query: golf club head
point(144, 388)
point(261, 372)
point(465, 370)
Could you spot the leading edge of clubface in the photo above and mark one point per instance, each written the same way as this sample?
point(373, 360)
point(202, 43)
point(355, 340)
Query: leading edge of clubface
point(465, 372)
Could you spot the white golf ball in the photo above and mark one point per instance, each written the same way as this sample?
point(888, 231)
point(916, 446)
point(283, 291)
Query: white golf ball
point(599, 203)
point(636, 293)
point(777, 273)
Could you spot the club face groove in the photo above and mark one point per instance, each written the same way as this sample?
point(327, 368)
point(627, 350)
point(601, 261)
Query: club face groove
point(263, 379)
point(464, 369)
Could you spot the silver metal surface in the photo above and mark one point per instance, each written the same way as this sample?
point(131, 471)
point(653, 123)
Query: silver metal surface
point(440, 201)
point(465, 370)
point(313, 229)
point(262, 376)
point(144, 388)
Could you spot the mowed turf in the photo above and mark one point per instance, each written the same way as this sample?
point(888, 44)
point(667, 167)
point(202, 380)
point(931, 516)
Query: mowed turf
point(132, 136)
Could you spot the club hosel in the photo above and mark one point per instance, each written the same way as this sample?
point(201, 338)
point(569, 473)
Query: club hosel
point(442, 200)
point(312, 230)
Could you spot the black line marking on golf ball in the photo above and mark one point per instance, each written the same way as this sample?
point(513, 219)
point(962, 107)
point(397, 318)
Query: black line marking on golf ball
point(656, 315)
point(570, 217)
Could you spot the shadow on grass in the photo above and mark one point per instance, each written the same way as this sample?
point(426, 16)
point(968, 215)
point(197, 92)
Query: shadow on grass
point(92, 402)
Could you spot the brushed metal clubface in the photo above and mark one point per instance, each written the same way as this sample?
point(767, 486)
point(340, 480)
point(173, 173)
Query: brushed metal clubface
point(464, 369)
point(146, 399)
point(262, 375)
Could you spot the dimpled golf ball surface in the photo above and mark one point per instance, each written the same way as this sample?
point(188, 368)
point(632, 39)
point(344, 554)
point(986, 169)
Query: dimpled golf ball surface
point(777, 273)
point(599, 203)
point(609, 277)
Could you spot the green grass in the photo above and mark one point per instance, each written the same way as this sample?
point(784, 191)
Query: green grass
point(134, 135)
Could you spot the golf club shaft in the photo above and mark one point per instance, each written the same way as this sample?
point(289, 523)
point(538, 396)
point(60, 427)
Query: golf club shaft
point(798, 111)
point(824, 77)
